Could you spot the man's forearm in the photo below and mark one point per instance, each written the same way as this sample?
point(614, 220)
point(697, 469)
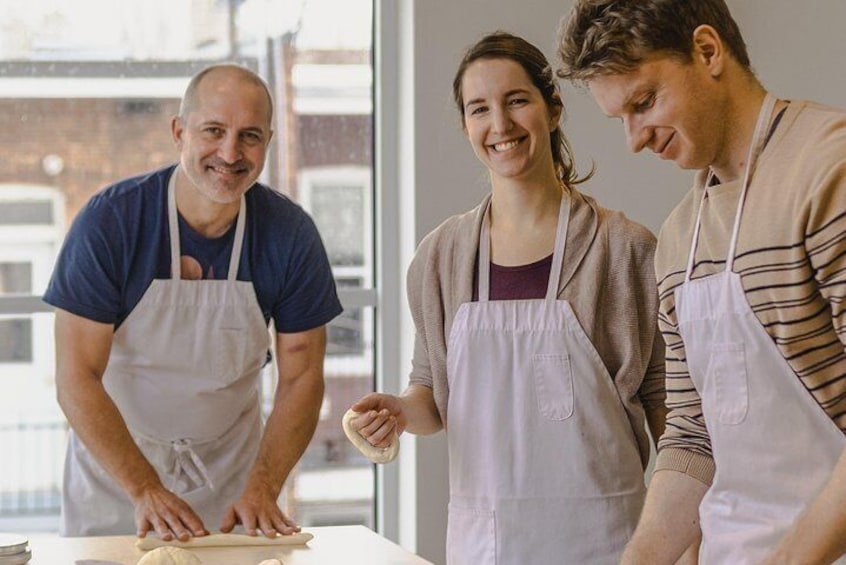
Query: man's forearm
point(669, 522)
point(287, 432)
point(97, 422)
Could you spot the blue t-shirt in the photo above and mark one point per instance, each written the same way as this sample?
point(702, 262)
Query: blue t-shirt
point(119, 243)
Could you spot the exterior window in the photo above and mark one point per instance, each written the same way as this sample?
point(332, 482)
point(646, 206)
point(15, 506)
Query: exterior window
point(83, 105)
point(16, 340)
point(15, 278)
point(26, 213)
point(338, 200)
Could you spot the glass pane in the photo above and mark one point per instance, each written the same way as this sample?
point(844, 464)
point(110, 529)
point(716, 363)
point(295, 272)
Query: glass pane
point(83, 105)
point(22, 213)
point(15, 278)
point(32, 434)
point(346, 333)
point(335, 482)
point(15, 340)
point(338, 211)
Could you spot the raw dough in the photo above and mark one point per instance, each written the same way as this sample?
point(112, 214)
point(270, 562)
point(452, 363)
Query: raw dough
point(169, 556)
point(271, 562)
point(221, 540)
point(375, 454)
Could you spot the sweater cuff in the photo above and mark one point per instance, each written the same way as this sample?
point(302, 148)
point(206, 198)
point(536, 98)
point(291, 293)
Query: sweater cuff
point(700, 467)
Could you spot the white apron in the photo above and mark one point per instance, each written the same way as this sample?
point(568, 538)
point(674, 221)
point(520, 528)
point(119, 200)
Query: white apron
point(773, 446)
point(183, 372)
point(544, 466)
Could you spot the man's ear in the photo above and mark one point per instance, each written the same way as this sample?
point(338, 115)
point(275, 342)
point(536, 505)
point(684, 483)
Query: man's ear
point(176, 129)
point(708, 49)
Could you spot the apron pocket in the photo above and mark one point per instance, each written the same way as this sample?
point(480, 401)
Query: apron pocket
point(471, 536)
point(229, 355)
point(727, 374)
point(553, 385)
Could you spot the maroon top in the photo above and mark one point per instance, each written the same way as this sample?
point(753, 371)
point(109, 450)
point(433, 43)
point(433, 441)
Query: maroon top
point(517, 283)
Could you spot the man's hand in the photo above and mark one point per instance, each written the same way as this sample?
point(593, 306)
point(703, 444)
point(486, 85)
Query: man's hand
point(157, 509)
point(257, 509)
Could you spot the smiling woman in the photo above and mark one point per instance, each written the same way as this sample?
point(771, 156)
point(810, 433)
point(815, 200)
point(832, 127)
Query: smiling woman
point(114, 93)
point(518, 357)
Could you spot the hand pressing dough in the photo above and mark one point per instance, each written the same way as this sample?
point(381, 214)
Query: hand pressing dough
point(223, 540)
point(375, 454)
point(169, 556)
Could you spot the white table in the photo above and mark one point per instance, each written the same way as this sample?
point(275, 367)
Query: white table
point(336, 545)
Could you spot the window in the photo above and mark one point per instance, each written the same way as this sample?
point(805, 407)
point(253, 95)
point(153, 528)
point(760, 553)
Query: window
point(339, 201)
point(15, 333)
point(83, 105)
point(30, 235)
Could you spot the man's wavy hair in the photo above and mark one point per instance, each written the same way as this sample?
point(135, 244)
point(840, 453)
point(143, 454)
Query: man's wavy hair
point(602, 37)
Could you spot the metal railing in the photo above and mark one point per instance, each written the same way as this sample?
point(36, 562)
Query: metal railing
point(31, 461)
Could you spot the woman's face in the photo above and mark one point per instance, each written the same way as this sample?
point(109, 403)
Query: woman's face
point(507, 120)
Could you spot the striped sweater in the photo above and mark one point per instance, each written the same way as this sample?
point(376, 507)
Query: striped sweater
point(791, 258)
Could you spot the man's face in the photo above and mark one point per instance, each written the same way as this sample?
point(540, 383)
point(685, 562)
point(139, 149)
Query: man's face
point(671, 107)
point(223, 140)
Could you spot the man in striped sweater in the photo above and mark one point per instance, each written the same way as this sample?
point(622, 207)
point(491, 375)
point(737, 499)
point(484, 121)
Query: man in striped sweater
point(751, 268)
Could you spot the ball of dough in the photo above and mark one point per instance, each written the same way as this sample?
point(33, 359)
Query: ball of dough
point(271, 562)
point(170, 556)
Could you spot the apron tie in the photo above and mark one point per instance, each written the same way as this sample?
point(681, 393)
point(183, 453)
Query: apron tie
point(187, 461)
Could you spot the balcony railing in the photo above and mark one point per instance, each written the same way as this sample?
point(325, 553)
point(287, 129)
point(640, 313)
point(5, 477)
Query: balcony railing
point(32, 456)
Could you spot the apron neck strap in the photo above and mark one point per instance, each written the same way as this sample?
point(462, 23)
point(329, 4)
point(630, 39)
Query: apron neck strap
point(484, 267)
point(173, 230)
point(755, 147)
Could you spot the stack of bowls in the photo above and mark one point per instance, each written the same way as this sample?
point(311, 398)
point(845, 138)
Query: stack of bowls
point(14, 549)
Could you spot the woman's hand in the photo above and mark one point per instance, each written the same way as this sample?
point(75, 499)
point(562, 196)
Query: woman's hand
point(381, 417)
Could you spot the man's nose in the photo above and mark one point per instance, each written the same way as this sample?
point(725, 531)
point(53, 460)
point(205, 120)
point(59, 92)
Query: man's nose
point(637, 136)
point(230, 149)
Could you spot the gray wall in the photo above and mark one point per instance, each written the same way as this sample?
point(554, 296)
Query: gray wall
point(797, 48)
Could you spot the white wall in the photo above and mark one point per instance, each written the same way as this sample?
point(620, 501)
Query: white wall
point(796, 48)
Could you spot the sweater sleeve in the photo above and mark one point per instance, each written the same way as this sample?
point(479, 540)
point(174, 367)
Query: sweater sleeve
point(421, 370)
point(685, 445)
point(652, 391)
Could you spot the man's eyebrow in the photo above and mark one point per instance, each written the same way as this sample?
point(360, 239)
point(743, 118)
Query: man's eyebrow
point(257, 129)
point(635, 93)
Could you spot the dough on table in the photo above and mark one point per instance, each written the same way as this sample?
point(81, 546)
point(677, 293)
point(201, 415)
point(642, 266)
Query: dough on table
point(375, 454)
point(170, 556)
point(223, 540)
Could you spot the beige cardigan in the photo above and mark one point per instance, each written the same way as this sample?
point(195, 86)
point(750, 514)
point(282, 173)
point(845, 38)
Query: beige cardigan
point(607, 276)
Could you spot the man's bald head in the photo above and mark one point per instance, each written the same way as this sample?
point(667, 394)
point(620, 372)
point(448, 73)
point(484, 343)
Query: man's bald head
point(193, 92)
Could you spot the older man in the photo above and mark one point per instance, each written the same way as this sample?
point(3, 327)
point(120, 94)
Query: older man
point(164, 291)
